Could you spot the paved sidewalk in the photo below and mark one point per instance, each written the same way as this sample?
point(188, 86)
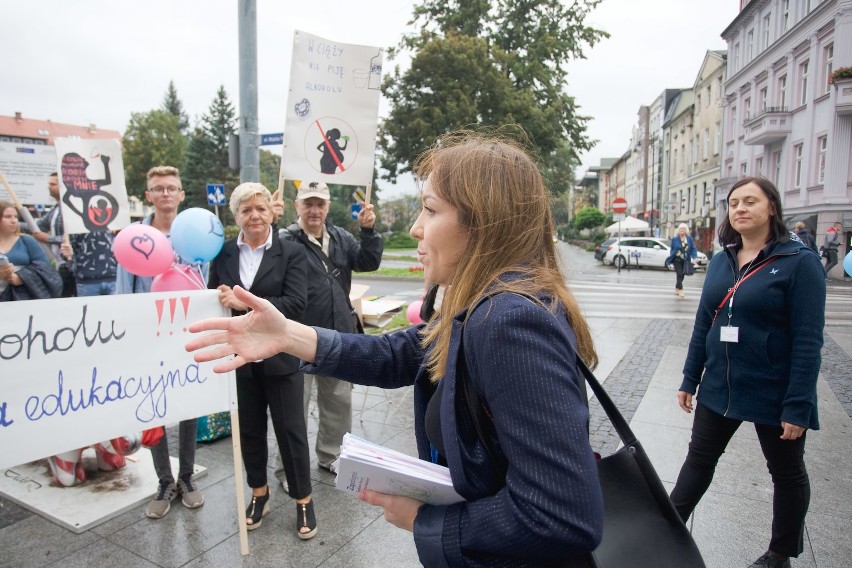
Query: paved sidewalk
point(641, 362)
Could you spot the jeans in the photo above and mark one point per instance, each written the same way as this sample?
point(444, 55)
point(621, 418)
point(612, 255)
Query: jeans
point(711, 433)
point(186, 453)
point(96, 288)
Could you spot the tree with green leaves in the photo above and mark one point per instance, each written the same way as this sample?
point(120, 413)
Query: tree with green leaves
point(270, 169)
point(173, 105)
point(588, 218)
point(207, 155)
point(481, 63)
point(152, 139)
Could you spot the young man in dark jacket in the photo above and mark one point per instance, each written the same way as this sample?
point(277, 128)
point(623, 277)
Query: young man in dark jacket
point(333, 253)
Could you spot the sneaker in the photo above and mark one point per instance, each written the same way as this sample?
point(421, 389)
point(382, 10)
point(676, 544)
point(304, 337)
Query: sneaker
point(161, 504)
point(769, 560)
point(191, 497)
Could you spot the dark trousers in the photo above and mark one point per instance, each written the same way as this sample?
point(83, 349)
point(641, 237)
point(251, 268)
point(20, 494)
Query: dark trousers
point(711, 433)
point(282, 395)
point(831, 259)
point(678, 266)
point(69, 286)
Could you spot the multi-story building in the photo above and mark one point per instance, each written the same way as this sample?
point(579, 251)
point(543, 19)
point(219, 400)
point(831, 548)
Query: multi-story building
point(19, 129)
point(693, 137)
point(783, 119)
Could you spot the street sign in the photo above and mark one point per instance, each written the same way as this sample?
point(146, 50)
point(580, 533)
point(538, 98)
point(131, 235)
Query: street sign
point(355, 208)
point(274, 139)
point(619, 205)
point(215, 194)
point(358, 195)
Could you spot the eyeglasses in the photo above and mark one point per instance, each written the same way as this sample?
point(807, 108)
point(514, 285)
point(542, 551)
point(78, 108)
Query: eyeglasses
point(159, 189)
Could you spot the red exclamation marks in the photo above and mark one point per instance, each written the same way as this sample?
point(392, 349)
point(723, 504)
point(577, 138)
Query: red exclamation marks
point(185, 301)
point(172, 306)
point(159, 305)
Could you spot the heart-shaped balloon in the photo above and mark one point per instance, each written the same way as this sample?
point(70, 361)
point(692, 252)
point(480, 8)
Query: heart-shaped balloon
point(143, 250)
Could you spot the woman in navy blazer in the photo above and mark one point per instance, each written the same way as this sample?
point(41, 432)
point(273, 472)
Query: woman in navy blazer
point(509, 326)
point(275, 270)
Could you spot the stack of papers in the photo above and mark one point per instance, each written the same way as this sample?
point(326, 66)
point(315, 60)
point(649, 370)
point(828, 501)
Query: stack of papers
point(365, 465)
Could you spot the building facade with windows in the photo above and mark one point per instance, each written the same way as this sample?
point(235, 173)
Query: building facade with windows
point(693, 134)
point(783, 118)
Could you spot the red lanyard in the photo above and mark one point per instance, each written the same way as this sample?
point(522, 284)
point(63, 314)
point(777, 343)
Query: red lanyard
point(732, 290)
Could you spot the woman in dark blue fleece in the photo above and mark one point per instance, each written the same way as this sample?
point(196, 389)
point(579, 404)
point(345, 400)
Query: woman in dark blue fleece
point(509, 326)
point(754, 357)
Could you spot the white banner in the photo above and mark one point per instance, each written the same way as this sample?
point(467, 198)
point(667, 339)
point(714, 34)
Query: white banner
point(27, 168)
point(77, 371)
point(332, 111)
point(91, 185)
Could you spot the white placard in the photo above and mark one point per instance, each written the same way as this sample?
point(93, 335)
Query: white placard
point(332, 111)
point(91, 185)
point(77, 371)
point(27, 168)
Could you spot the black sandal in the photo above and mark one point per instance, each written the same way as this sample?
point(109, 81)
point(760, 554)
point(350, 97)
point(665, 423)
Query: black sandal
point(258, 509)
point(305, 518)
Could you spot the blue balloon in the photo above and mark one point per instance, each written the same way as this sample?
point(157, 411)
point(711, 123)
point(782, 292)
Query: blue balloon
point(847, 262)
point(197, 235)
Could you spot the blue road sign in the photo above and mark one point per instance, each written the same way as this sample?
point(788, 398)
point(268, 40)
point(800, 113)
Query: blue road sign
point(355, 208)
point(272, 139)
point(215, 194)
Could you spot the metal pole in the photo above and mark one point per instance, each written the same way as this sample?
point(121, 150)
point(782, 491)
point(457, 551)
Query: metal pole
point(249, 152)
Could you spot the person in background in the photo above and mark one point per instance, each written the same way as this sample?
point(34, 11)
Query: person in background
point(682, 251)
point(805, 235)
point(830, 246)
point(754, 357)
point(165, 192)
point(52, 232)
point(25, 272)
point(485, 235)
point(276, 270)
point(333, 253)
point(92, 262)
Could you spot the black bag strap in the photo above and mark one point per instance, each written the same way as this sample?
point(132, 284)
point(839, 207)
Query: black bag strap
point(482, 420)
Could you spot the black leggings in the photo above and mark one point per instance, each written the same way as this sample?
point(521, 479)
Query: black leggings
point(711, 433)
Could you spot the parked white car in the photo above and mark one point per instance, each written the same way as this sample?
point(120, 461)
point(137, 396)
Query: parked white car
point(642, 251)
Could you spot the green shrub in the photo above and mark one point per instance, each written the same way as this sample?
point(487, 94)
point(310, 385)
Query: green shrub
point(231, 232)
point(400, 241)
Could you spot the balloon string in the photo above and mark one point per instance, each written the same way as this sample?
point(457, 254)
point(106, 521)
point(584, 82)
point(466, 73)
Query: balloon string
point(194, 275)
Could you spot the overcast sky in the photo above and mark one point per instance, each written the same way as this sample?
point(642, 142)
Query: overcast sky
point(96, 61)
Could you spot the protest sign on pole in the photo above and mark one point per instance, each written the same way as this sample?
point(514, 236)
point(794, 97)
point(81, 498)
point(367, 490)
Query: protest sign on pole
point(77, 371)
point(91, 185)
point(332, 111)
point(27, 168)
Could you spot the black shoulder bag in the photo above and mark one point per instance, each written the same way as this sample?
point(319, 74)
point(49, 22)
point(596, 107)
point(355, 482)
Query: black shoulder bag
point(642, 529)
point(331, 270)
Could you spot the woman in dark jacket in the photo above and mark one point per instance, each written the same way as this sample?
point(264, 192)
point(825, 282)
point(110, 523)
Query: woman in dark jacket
point(509, 326)
point(275, 270)
point(754, 357)
point(25, 272)
point(681, 253)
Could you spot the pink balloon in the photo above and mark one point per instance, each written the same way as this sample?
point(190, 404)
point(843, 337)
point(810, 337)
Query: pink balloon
point(143, 250)
point(413, 312)
point(178, 277)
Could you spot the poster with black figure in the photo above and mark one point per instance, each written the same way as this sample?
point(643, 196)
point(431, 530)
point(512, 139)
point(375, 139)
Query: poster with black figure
point(91, 185)
point(332, 111)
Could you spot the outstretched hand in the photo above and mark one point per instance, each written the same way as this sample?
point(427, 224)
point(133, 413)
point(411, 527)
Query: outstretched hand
point(259, 334)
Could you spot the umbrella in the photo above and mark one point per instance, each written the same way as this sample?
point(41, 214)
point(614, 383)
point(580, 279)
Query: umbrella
point(629, 224)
